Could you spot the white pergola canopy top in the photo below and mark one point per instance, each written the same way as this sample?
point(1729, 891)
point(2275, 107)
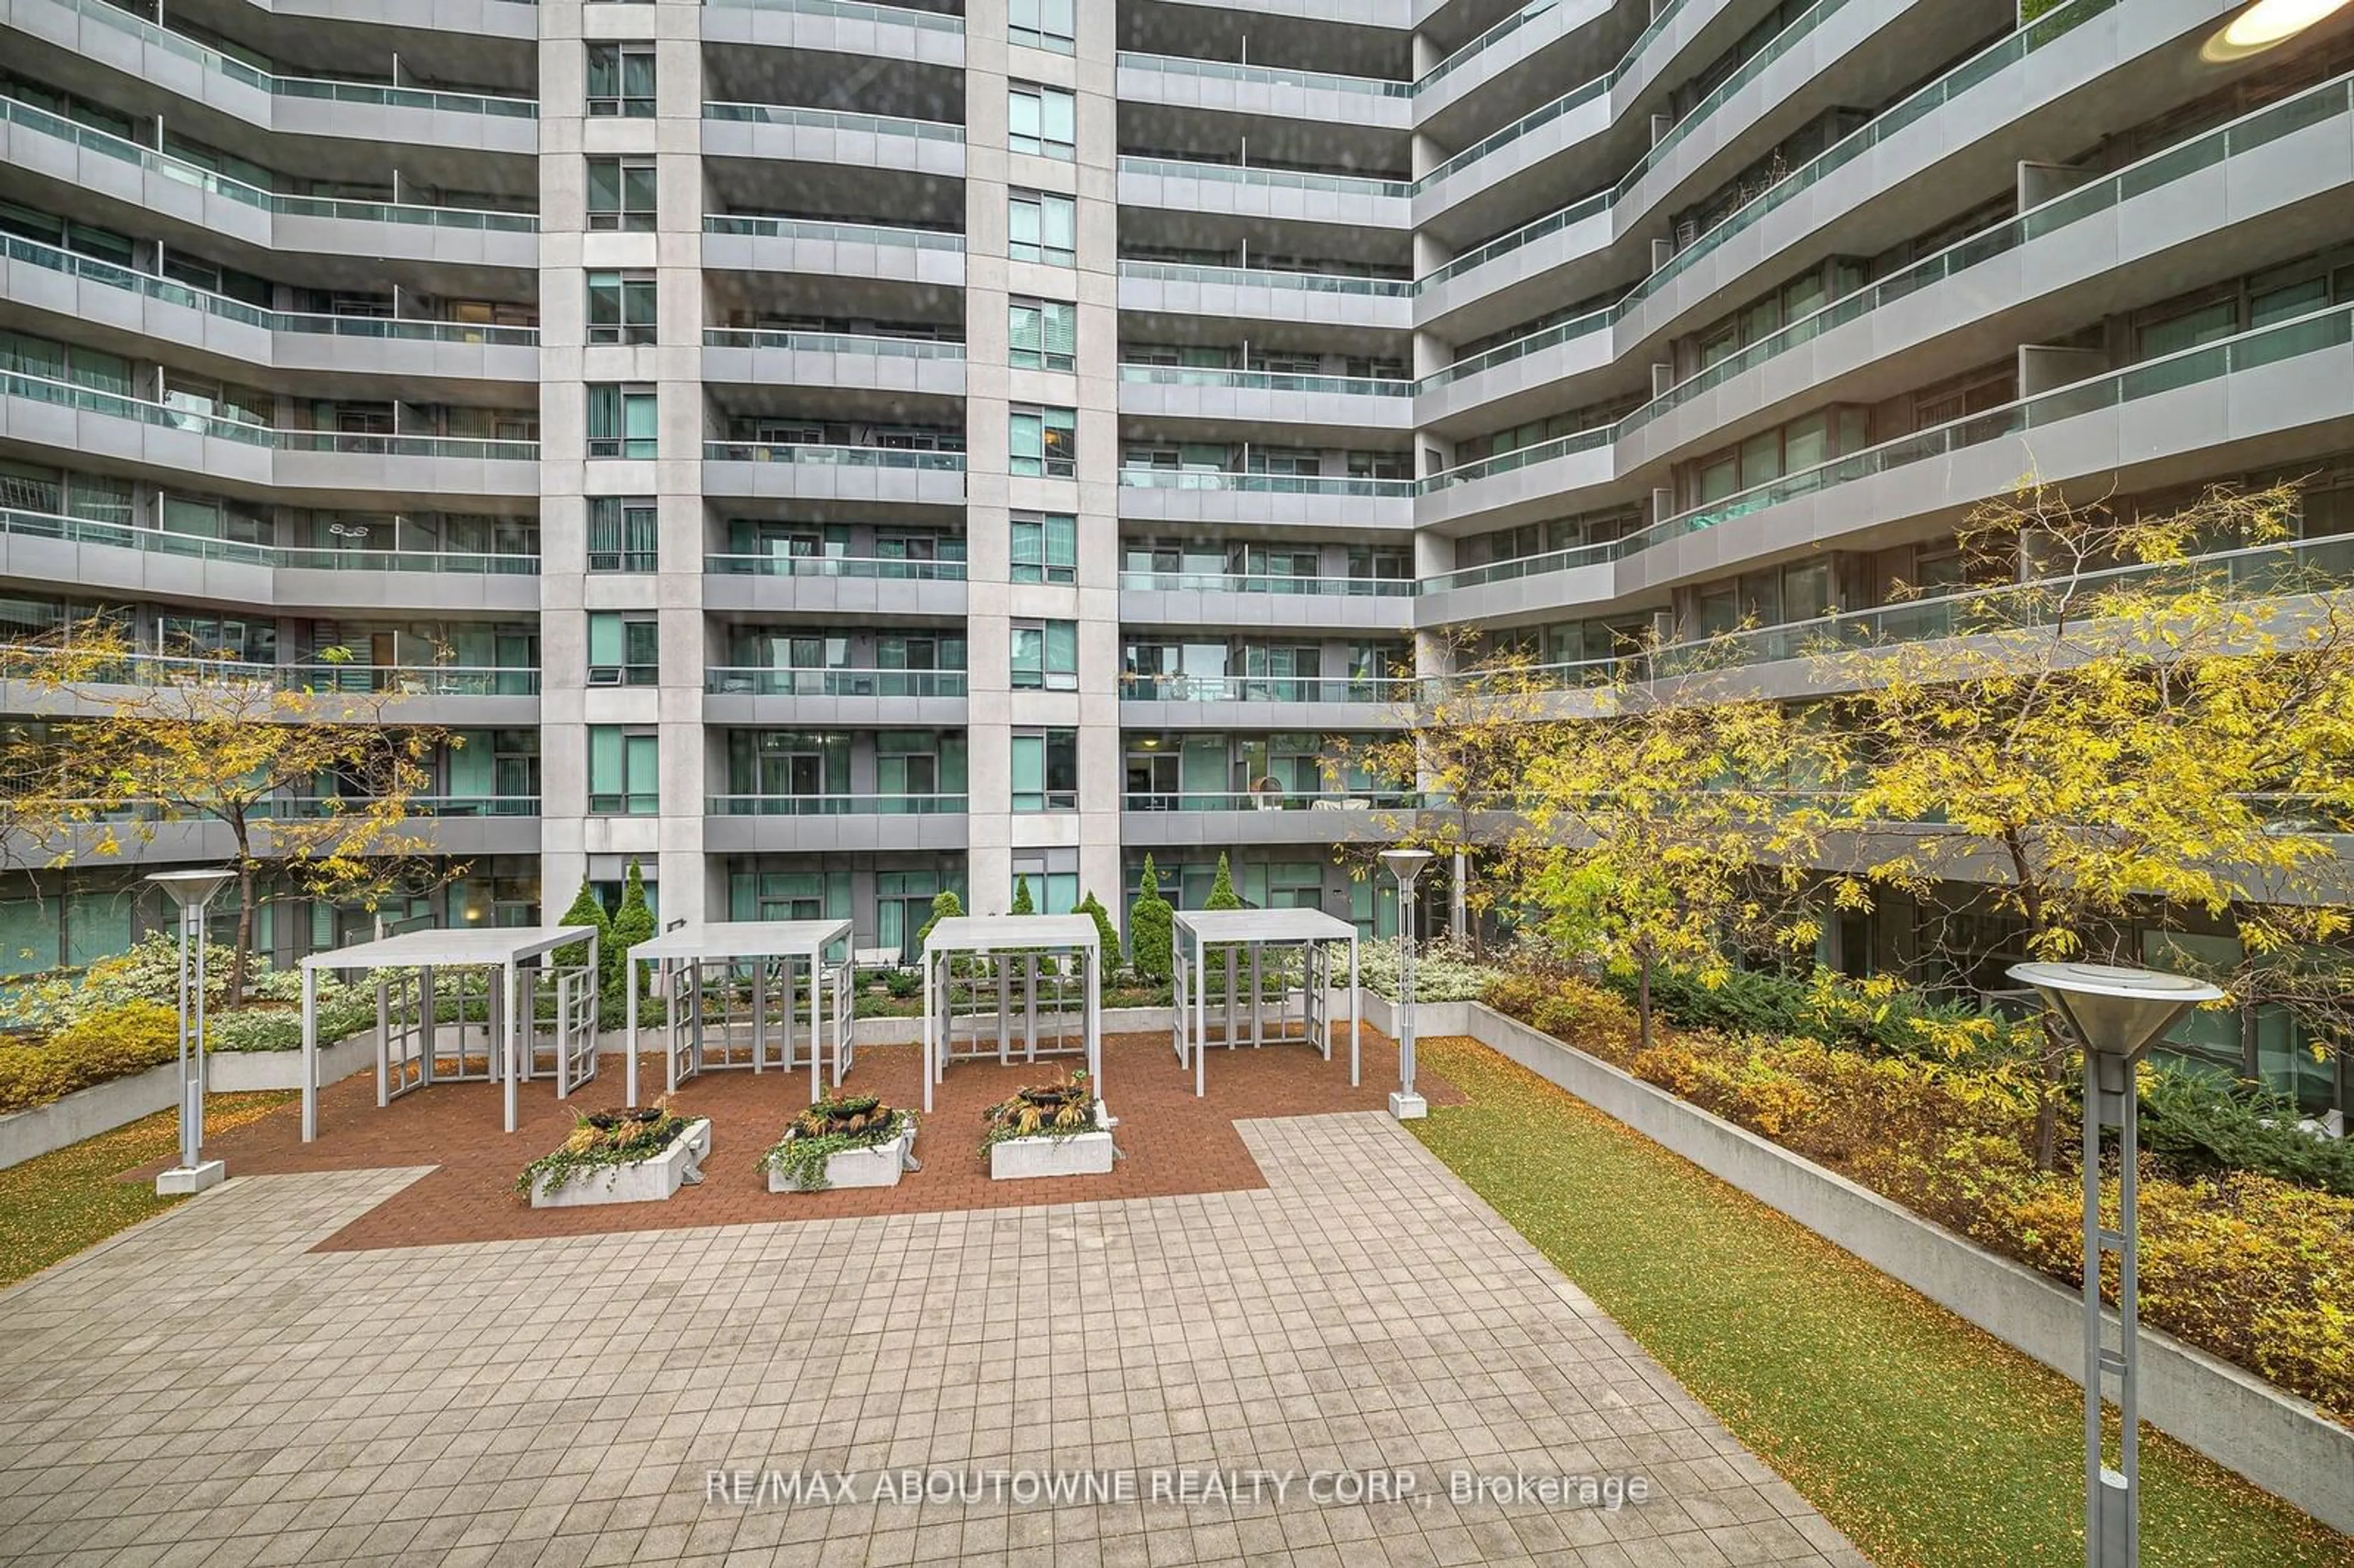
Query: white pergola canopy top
point(721, 939)
point(462, 947)
point(1215, 927)
point(995, 933)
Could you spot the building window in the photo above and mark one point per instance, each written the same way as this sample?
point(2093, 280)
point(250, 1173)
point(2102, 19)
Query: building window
point(1043, 228)
point(622, 773)
point(621, 195)
point(621, 307)
point(1045, 549)
point(1045, 770)
point(1045, 655)
point(621, 533)
point(1044, 335)
point(623, 648)
point(620, 420)
point(1046, 441)
point(622, 81)
point(1044, 24)
point(1041, 120)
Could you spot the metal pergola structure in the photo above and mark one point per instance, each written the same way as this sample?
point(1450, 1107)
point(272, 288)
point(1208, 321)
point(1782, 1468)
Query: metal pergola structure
point(406, 969)
point(699, 970)
point(982, 971)
point(1260, 946)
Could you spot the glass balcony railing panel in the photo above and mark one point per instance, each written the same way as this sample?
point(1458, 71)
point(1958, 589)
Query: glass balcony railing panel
point(1569, 217)
point(85, 531)
point(833, 457)
point(1519, 458)
point(480, 562)
point(834, 805)
point(883, 568)
point(834, 120)
point(1265, 380)
point(1800, 28)
point(402, 329)
point(1266, 689)
point(852, 11)
point(832, 342)
point(321, 678)
point(1535, 120)
point(415, 805)
point(1524, 567)
point(1268, 583)
point(1256, 174)
point(1266, 76)
point(832, 232)
point(1268, 278)
point(2312, 333)
point(1259, 483)
point(1481, 45)
point(760, 680)
point(1519, 348)
point(1367, 799)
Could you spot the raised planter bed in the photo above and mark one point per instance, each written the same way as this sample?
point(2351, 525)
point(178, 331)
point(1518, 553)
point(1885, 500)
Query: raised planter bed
point(1072, 1154)
point(1050, 1129)
point(649, 1180)
point(868, 1144)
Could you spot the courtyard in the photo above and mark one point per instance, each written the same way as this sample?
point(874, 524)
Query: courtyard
point(1305, 1351)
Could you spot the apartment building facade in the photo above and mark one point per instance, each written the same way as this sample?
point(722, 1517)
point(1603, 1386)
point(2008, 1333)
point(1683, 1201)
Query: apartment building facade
point(830, 452)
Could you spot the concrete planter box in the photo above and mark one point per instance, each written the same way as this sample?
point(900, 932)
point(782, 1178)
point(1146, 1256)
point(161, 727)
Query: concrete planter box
point(880, 1166)
point(243, 1072)
point(648, 1180)
point(2277, 1441)
point(1073, 1154)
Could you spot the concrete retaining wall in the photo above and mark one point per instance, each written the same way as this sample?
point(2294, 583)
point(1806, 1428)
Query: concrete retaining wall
point(2278, 1442)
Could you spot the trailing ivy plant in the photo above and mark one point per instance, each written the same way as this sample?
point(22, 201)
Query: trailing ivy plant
point(604, 1141)
point(835, 1125)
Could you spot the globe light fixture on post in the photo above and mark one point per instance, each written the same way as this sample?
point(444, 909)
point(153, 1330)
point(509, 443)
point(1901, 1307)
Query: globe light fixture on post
point(2117, 1015)
point(1405, 864)
point(191, 891)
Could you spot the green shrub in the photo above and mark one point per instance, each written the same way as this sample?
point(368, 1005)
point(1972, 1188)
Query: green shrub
point(903, 984)
point(2197, 1125)
point(113, 1042)
point(1022, 901)
point(263, 1029)
point(1443, 970)
point(1107, 934)
point(1151, 927)
point(946, 905)
point(586, 909)
point(633, 923)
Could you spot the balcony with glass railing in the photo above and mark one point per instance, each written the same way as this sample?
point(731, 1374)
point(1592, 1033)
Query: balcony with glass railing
point(852, 11)
point(876, 568)
point(1262, 178)
point(319, 678)
point(833, 119)
point(761, 681)
point(1261, 484)
point(1265, 583)
point(1265, 381)
point(18, 523)
point(1179, 688)
point(830, 231)
point(95, 400)
point(870, 805)
point(876, 345)
point(382, 94)
point(813, 454)
point(1587, 440)
point(14, 111)
point(1266, 277)
point(1276, 77)
point(1366, 800)
point(436, 806)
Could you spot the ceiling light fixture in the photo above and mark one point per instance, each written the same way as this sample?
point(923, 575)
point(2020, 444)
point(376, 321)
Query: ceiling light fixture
point(2266, 24)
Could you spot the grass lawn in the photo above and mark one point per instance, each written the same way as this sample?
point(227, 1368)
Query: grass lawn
point(1927, 1441)
point(53, 1207)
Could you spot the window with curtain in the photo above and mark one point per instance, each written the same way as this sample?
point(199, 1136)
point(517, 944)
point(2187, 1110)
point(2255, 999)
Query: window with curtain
point(623, 648)
point(1045, 770)
point(1041, 120)
point(1045, 549)
point(623, 531)
point(621, 195)
point(1044, 441)
point(1043, 228)
point(1045, 655)
point(622, 771)
point(623, 420)
point(1044, 335)
point(621, 307)
point(622, 81)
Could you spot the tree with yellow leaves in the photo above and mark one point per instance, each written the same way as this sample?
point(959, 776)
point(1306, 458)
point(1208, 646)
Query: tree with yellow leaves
point(2116, 736)
point(314, 782)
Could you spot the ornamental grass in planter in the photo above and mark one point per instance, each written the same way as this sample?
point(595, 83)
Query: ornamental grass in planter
point(638, 1155)
point(1051, 1129)
point(843, 1141)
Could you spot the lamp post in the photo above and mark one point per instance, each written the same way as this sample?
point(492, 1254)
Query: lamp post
point(2117, 1015)
point(191, 891)
point(1405, 864)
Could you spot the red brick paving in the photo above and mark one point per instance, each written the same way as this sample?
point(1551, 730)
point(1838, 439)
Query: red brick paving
point(1171, 1143)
